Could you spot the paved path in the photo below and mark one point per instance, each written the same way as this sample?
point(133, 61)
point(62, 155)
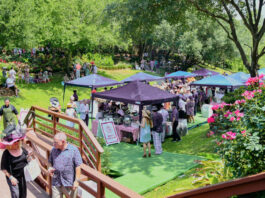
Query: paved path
point(33, 189)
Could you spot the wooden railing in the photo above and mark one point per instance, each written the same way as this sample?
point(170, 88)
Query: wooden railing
point(42, 150)
point(241, 186)
point(49, 123)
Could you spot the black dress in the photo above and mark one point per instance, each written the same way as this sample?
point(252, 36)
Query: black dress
point(15, 167)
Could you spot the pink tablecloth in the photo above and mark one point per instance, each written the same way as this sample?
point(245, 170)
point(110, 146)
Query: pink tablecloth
point(119, 128)
point(133, 130)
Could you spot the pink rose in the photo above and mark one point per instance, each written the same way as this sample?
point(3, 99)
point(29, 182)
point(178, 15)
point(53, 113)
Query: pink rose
point(232, 118)
point(210, 120)
point(244, 131)
point(224, 136)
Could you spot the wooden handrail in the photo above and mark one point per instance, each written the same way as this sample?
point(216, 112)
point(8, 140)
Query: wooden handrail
point(100, 179)
point(109, 183)
point(241, 186)
point(85, 137)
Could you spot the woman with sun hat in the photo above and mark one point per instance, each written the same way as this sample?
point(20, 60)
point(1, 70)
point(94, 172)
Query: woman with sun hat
point(13, 161)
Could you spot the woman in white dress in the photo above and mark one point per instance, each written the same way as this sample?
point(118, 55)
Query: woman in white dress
point(70, 111)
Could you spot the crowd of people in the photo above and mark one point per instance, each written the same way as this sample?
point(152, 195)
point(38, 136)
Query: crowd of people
point(81, 71)
point(179, 113)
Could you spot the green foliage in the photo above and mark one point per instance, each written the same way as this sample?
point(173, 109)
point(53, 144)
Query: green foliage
point(236, 65)
point(242, 125)
point(211, 172)
point(105, 157)
point(67, 24)
point(231, 97)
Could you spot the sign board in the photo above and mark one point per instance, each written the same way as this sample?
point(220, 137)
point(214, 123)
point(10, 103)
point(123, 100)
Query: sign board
point(109, 132)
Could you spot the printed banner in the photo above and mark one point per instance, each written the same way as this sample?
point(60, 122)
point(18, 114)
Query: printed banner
point(109, 132)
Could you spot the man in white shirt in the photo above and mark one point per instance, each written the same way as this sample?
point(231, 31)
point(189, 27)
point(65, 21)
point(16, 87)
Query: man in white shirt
point(165, 116)
point(10, 83)
point(12, 73)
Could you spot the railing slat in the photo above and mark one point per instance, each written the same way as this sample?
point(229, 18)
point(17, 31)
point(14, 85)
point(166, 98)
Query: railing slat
point(43, 125)
point(44, 132)
point(89, 152)
point(89, 161)
point(87, 188)
point(89, 144)
point(65, 126)
point(43, 118)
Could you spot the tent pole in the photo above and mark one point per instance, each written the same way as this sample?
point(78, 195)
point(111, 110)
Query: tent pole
point(92, 104)
point(63, 93)
point(140, 119)
point(140, 113)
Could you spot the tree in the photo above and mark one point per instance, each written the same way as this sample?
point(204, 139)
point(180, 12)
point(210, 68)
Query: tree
point(226, 13)
point(138, 18)
point(196, 41)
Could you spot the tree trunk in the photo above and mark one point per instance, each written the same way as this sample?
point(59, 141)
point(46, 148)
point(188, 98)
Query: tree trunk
point(140, 51)
point(68, 61)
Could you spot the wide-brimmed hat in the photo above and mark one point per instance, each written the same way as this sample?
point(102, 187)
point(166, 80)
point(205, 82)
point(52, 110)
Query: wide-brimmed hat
point(69, 105)
point(146, 113)
point(11, 135)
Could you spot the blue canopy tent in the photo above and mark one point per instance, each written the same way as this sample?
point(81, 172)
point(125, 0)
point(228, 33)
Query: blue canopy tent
point(180, 74)
point(91, 81)
point(141, 76)
point(240, 76)
point(218, 81)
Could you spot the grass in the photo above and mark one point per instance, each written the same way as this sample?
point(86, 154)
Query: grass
point(195, 143)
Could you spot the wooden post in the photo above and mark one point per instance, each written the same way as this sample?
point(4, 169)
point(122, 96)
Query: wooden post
point(54, 124)
point(98, 161)
point(48, 188)
point(33, 120)
point(80, 140)
point(100, 190)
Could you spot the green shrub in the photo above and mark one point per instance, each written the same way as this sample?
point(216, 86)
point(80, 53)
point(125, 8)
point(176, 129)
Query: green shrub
point(99, 59)
point(231, 97)
point(211, 172)
point(242, 128)
point(105, 157)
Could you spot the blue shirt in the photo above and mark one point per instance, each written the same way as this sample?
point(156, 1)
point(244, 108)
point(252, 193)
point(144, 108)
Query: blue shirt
point(65, 163)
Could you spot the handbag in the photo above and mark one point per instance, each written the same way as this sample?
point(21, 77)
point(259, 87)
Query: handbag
point(32, 170)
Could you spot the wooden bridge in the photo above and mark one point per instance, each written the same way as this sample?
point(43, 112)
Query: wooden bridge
point(42, 128)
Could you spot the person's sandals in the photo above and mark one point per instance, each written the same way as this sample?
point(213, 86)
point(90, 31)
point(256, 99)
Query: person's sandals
point(149, 155)
point(144, 156)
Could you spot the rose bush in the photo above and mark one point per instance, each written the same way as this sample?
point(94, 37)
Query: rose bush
point(240, 129)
